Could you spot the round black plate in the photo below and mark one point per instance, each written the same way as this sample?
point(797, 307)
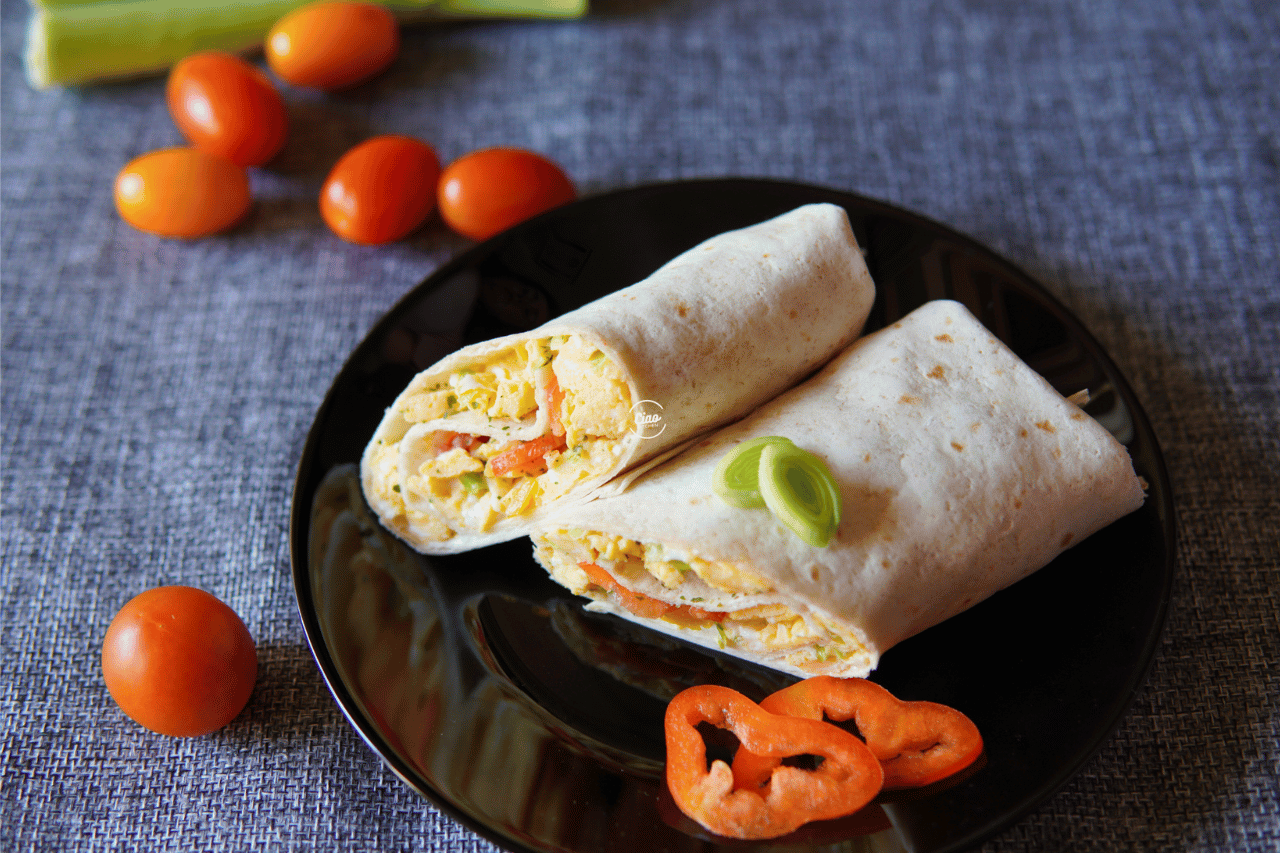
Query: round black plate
point(489, 689)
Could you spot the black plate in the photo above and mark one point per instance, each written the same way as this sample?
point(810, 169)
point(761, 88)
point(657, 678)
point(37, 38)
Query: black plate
point(488, 688)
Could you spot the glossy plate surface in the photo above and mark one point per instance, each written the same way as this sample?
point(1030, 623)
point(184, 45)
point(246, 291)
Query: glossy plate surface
point(492, 692)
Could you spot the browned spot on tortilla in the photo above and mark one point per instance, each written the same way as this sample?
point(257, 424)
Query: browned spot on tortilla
point(897, 325)
point(866, 457)
point(793, 313)
point(957, 445)
point(938, 372)
point(945, 338)
point(1017, 504)
point(1046, 426)
point(908, 399)
point(1079, 416)
point(682, 310)
point(886, 564)
point(977, 425)
point(1022, 433)
point(1066, 540)
point(813, 573)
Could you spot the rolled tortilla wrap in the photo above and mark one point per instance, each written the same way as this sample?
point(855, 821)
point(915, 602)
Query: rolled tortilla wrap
point(960, 471)
point(481, 445)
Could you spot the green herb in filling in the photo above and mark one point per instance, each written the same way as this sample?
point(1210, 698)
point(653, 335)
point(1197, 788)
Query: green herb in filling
point(473, 482)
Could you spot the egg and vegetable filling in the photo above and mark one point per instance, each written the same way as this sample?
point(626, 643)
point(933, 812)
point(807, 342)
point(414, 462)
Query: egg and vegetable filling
point(504, 437)
point(717, 604)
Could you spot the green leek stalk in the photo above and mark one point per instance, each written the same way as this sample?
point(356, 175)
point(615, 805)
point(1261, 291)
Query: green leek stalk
point(81, 41)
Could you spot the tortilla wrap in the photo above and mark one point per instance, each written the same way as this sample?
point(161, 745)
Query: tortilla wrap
point(480, 446)
point(960, 471)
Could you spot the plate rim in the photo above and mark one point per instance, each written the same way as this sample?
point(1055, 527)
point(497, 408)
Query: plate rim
point(1160, 491)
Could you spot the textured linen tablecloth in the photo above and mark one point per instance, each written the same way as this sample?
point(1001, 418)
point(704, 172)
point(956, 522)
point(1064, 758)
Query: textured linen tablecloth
point(156, 394)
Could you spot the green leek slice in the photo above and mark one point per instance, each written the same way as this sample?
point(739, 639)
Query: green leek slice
point(473, 482)
point(736, 476)
point(798, 488)
point(80, 41)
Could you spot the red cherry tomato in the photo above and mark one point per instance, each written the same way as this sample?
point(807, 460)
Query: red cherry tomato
point(227, 107)
point(179, 661)
point(332, 45)
point(181, 192)
point(381, 190)
point(490, 190)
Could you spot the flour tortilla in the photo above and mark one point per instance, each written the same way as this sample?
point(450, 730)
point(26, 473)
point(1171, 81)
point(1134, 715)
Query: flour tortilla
point(707, 338)
point(960, 470)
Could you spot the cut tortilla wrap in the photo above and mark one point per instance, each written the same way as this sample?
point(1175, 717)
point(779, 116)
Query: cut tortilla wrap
point(482, 445)
point(960, 471)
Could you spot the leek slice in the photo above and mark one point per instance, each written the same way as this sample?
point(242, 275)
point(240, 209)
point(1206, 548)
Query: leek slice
point(736, 478)
point(80, 41)
point(798, 488)
point(473, 482)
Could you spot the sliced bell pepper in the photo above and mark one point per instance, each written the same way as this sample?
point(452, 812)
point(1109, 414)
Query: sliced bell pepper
point(917, 743)
point(846, 779)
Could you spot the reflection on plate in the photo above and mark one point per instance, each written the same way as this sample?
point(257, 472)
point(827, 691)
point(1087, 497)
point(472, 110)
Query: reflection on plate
point(491, 691)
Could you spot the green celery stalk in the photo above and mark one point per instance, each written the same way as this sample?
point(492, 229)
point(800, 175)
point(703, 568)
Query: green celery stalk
point(513, 8)
point(81, 41)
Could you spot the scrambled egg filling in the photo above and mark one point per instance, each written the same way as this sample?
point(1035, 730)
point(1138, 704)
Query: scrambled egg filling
point(752, 618)
point(471, 478)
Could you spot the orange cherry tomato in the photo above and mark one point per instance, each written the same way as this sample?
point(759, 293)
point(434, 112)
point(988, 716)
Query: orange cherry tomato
point(381, 190)
point(182, 192)
point(228, 107)
point(179, 661)
point(490, 190)
point(332, 45)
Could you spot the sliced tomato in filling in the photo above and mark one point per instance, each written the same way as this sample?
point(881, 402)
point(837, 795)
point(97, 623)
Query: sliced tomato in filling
point(555, 402)
point(526, 457)
point(646, 606)
point(465, 441)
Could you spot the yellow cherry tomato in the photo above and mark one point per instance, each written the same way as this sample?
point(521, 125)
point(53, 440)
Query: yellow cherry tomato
point(228, 107)
point(490, 190)
point(332, 45)
point(182, 192)
point(381, 189)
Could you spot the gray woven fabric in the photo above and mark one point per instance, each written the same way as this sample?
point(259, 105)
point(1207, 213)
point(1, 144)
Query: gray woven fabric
point(156, 394)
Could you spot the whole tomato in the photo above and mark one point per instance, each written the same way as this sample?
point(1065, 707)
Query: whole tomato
point(332, 45)
point(181, 192)
point(228, 107)
point(490, 190)
point(381, 189)
point(179, 661)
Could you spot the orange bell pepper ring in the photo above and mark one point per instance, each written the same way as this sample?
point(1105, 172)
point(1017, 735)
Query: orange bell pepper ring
point(847, 777)
point(917, 743)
